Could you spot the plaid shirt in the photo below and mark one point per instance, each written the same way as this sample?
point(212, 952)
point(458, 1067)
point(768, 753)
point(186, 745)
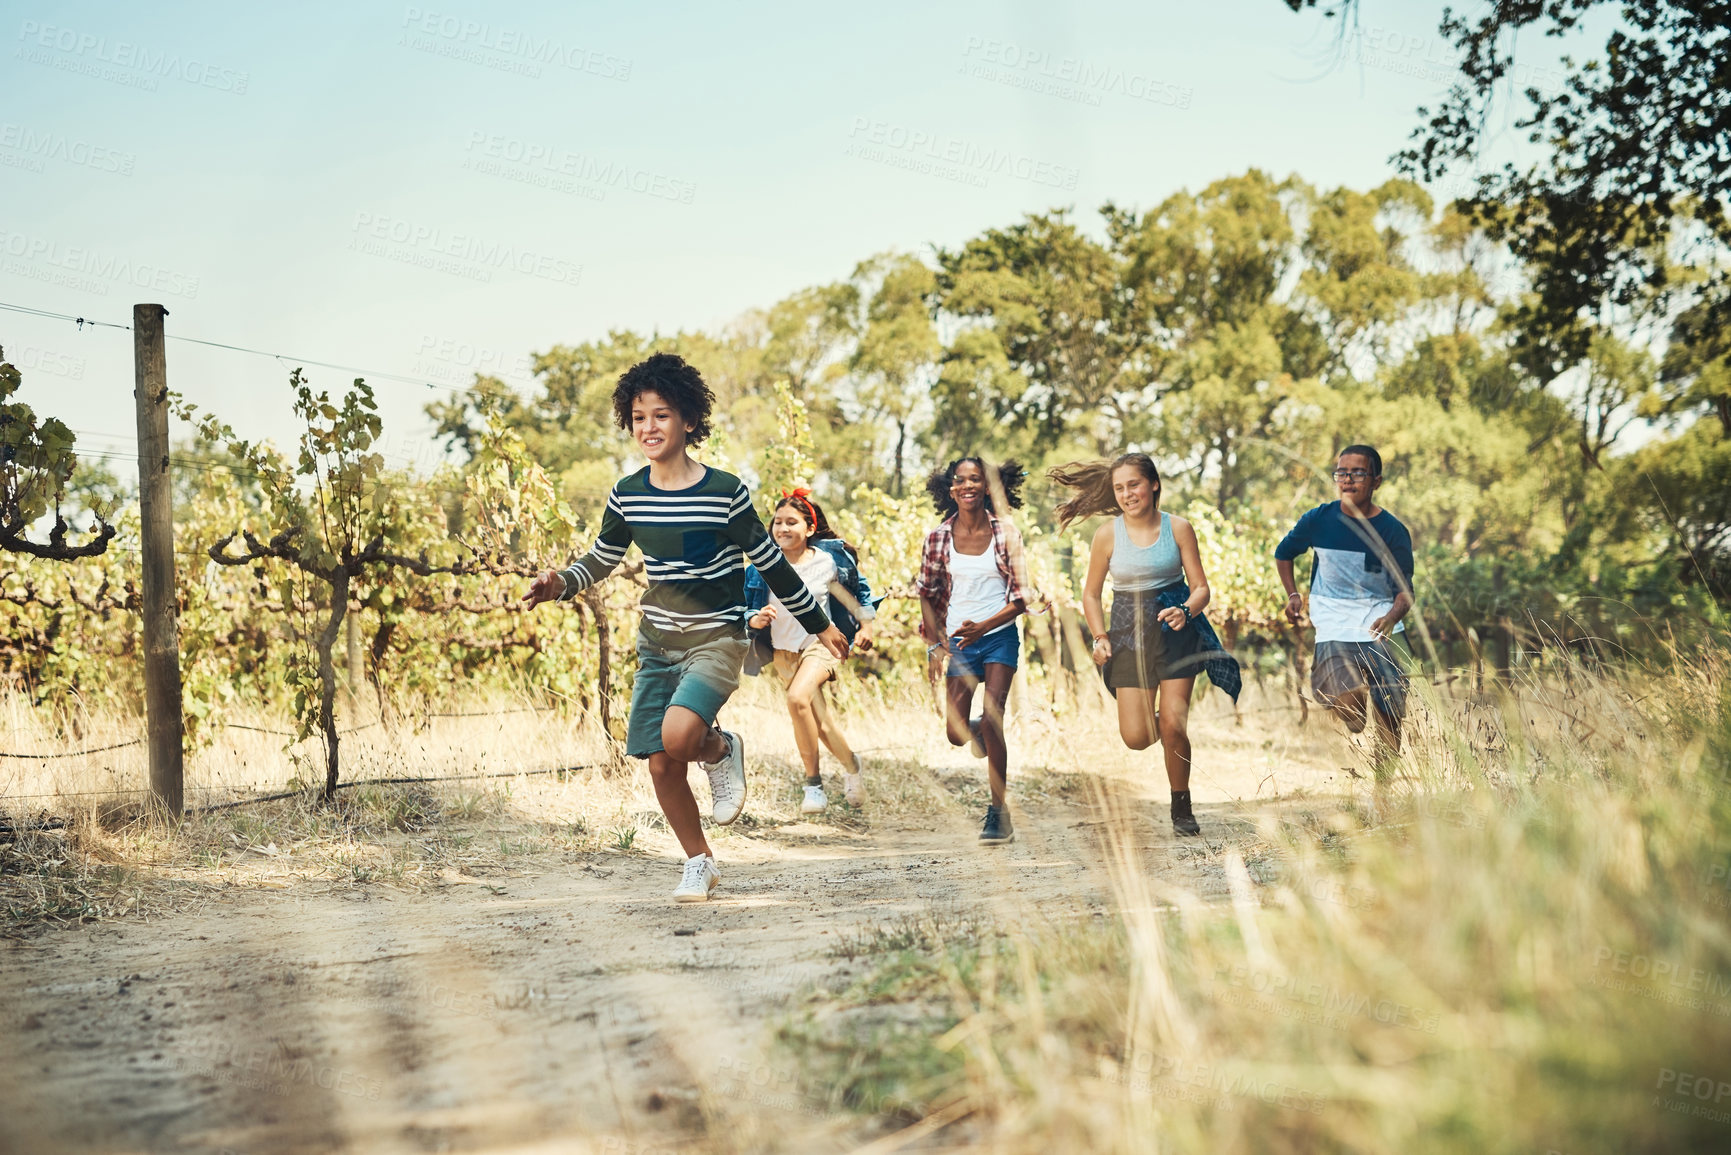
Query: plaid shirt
point(934, 579)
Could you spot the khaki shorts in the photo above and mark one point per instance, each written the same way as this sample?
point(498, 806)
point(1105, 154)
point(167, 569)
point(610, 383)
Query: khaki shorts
point(788, 664)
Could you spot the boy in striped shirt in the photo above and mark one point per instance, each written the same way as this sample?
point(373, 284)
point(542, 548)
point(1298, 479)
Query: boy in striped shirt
point(696, 528)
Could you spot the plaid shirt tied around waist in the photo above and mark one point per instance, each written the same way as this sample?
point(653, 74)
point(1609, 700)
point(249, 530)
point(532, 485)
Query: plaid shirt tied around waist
point(934, 579)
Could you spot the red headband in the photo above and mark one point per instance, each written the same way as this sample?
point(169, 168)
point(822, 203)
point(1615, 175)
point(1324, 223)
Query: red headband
point(803, 496)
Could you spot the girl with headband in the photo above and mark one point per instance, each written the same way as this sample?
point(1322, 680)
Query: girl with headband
point(829, 567)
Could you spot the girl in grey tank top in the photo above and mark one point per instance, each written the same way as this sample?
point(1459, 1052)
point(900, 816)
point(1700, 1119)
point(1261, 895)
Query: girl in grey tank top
point(1140, 568)
point(1154, 642)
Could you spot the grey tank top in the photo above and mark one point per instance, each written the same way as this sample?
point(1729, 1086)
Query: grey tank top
point(1144, 567)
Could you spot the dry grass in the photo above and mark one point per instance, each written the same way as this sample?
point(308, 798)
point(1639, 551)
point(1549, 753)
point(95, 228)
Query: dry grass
point(1519, 944)
point(1462, 958)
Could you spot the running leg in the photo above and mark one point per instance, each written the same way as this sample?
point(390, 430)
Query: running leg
point(830, 730)
point(673, 792)
point(802, 702)
point(1136, 718)
point(998, 679)
point(1351, 708)
point(958, 703)
point(1175, 729)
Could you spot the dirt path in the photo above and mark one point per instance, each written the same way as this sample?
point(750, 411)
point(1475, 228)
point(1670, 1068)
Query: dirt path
point(569, 1006)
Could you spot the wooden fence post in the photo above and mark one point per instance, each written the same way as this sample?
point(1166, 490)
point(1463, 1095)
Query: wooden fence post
point(163, 721)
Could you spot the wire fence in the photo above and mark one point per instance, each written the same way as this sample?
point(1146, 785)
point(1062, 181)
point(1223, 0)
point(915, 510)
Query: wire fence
point(10, 827)
point(79, 753)
point(139, 792)
point(280, 358)
point(292, 733)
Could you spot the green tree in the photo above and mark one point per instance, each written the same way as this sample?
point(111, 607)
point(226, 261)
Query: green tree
point(1357, 281)
point(1688, 481)
point(788, 460)
point(1697, 367)
point(568, 422)
point(1231, 350)
point(1633, 155)
point(1052, 347)
point(895, 360)
point(36, 465)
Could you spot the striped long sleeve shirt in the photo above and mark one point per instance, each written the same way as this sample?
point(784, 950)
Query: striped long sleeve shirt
point(695, 544)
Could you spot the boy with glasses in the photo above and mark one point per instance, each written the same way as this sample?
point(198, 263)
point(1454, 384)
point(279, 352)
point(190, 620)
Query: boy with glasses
point(1360, 589)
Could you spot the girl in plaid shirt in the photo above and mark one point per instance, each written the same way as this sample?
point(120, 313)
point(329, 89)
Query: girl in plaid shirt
point(972, 586)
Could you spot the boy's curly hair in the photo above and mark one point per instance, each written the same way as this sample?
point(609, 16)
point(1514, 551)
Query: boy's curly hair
point(1010, 478)
point(678, 383)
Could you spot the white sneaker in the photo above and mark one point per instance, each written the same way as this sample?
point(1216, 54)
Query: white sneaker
point(853, 785)
point(701, 876)
point(814, 801)
point(727, 780)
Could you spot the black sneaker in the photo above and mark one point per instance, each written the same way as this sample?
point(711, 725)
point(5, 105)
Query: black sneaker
point(1183, 821)
point(976, 744)
point(997, 829)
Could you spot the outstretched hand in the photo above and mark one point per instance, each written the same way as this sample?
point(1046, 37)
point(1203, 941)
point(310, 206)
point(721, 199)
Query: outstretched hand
point(835, 641)
point(548, 586)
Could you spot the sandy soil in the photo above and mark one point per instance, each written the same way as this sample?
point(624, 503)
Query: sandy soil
point(567, 1005)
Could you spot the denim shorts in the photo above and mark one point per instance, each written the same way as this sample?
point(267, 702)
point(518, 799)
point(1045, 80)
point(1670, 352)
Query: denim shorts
point(1003, 648)
point(1343, 667)
point(700, 677)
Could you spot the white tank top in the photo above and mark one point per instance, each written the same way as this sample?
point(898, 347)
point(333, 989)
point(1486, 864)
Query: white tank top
point(977, 589)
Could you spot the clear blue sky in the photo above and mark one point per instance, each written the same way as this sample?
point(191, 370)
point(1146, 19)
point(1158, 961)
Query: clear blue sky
point(423, 189)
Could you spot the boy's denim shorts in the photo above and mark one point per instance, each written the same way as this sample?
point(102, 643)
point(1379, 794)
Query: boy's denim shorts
point(1342, 667)
point(1003, 648)
point(700, 677)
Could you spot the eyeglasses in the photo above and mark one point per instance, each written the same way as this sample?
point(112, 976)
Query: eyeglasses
point(1352, 475)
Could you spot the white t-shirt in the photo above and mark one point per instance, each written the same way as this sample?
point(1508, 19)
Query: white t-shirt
point(817, 570)
point(977, 589)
